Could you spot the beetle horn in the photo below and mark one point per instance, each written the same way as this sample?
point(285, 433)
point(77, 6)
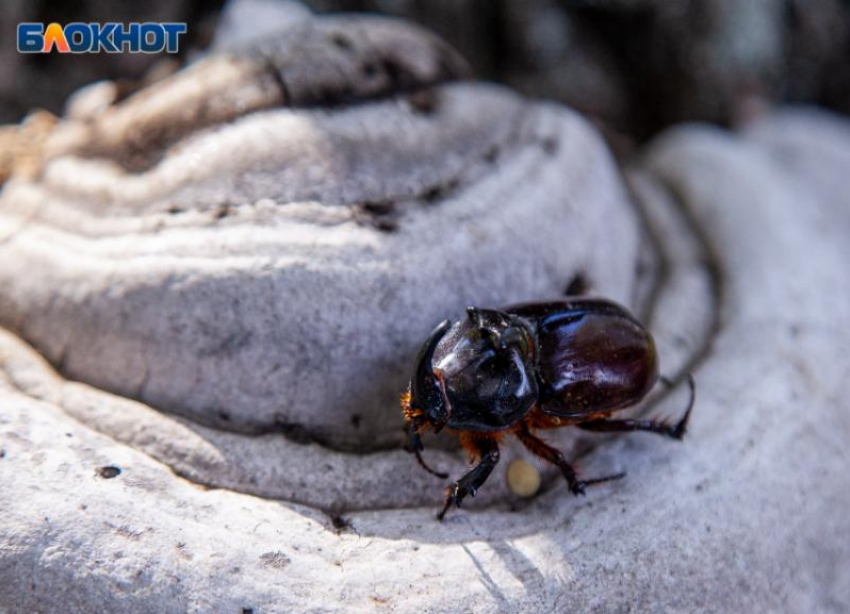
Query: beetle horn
point(474, 315)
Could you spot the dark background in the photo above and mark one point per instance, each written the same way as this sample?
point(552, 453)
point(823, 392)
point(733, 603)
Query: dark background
point(634, 66)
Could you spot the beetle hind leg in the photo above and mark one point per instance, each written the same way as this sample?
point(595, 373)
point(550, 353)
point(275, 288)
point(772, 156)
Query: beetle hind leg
point(553, 455)
point(487, 450)
point(661, 427)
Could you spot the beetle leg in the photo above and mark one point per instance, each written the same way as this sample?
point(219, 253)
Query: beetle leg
point(553, 455)
point(414, 446)
point(662, 427)
point(487, 450)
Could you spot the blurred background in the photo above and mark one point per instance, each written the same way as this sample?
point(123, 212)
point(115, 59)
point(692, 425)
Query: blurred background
point(632, 66)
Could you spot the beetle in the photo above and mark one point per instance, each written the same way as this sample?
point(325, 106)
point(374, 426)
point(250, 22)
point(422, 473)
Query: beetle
point(530, 367)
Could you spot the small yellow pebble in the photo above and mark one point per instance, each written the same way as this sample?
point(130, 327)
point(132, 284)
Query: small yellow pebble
point(523, 478)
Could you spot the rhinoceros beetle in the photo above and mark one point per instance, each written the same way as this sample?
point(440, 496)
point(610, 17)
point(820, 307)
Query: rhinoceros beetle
point(530, 367)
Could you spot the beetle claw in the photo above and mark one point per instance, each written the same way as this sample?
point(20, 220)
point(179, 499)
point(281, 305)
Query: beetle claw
point(453, 494)
point(682, 426)
point(579, 487)
point(678, 430)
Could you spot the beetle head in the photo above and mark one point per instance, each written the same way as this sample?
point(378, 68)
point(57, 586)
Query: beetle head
point(478, 373)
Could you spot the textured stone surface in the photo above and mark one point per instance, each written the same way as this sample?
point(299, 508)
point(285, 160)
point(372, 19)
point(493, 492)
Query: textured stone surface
point(275, 294)
point(736, 257)
point(222, 248)
point(747, 514)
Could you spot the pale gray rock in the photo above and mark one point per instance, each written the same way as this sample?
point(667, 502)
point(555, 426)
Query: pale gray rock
point(261, 241)
point(132, 326)
point(747, 515)
point(282, 286)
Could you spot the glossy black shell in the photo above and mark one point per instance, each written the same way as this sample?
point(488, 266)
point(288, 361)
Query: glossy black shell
point(571, 358)
point(594, 356)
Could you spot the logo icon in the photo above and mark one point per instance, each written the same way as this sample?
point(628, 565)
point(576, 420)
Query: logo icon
point(111, 37)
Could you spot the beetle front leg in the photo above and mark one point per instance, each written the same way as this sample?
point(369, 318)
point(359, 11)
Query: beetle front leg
point(414, 446)
point(487, 451)
point(553, 455)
